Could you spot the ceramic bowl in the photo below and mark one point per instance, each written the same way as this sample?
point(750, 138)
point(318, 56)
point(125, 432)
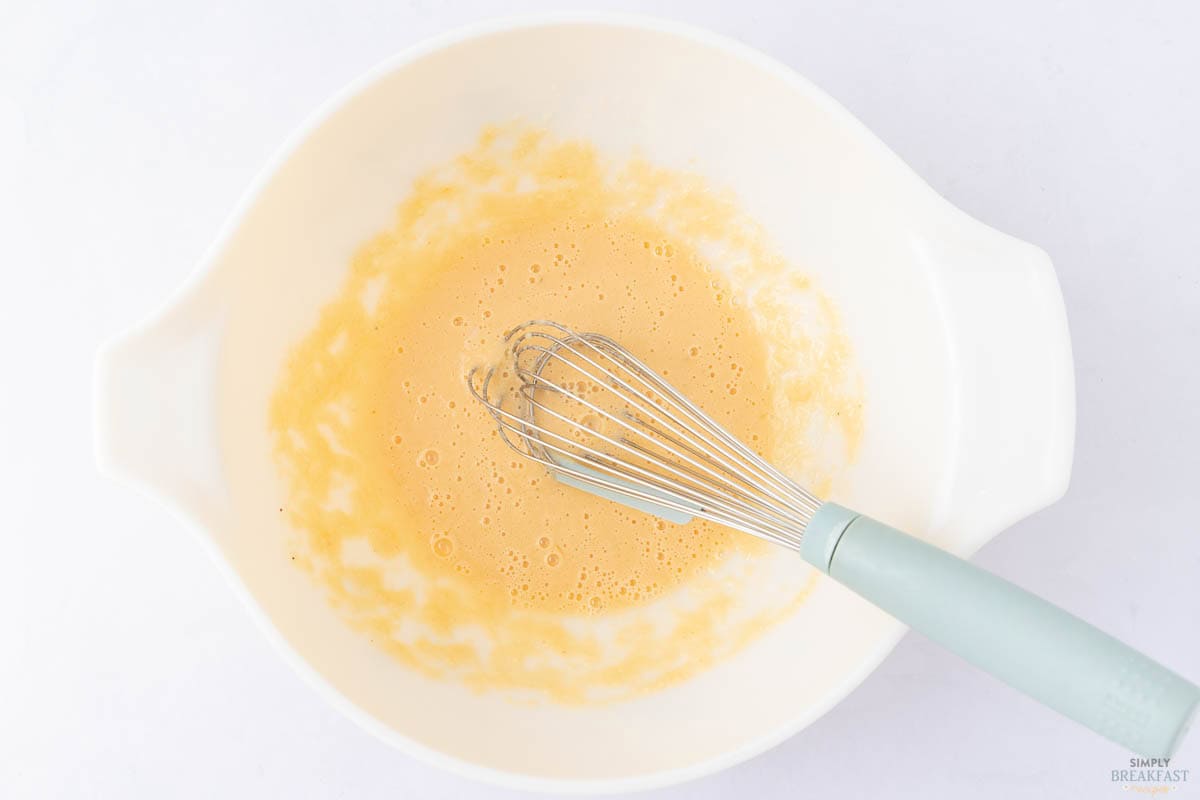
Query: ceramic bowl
point(958, 330)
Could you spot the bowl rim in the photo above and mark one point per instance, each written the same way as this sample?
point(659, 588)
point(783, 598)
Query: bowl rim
point(204, 269)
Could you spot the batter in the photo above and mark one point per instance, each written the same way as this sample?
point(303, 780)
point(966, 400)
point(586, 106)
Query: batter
point(457, 555)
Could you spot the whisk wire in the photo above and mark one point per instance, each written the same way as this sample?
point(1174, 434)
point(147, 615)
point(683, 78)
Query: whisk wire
point(678, 497)
point(733, 456)
point(696, 492)
point(726, 442)
point(664, 451)
point(529, 390)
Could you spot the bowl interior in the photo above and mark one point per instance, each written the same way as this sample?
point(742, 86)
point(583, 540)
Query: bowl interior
point(835, 203)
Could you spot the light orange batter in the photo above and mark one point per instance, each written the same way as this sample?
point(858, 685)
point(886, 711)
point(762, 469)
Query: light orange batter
point(457, 555)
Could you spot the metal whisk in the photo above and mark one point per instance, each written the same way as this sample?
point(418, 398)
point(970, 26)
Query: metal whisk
point(600, 419)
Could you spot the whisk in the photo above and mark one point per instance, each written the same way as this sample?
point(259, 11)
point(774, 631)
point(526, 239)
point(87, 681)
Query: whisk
point(600, 419)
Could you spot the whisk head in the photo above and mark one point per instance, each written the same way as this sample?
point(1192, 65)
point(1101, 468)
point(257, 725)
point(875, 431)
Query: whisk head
point(598, 417)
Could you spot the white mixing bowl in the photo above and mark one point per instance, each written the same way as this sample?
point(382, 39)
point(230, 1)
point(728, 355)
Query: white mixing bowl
point(959, 332)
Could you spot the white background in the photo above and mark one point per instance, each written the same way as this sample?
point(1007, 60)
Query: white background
point(127, 131)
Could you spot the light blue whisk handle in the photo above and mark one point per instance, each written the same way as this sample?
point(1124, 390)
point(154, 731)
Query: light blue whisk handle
point(1052, 656)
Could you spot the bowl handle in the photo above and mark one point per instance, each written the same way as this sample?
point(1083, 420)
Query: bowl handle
point(1016, 397)
point(155, 406)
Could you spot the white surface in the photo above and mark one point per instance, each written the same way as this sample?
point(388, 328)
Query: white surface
point(135, 127)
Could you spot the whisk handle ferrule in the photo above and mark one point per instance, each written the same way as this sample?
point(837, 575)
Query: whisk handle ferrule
point(1051, 655)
